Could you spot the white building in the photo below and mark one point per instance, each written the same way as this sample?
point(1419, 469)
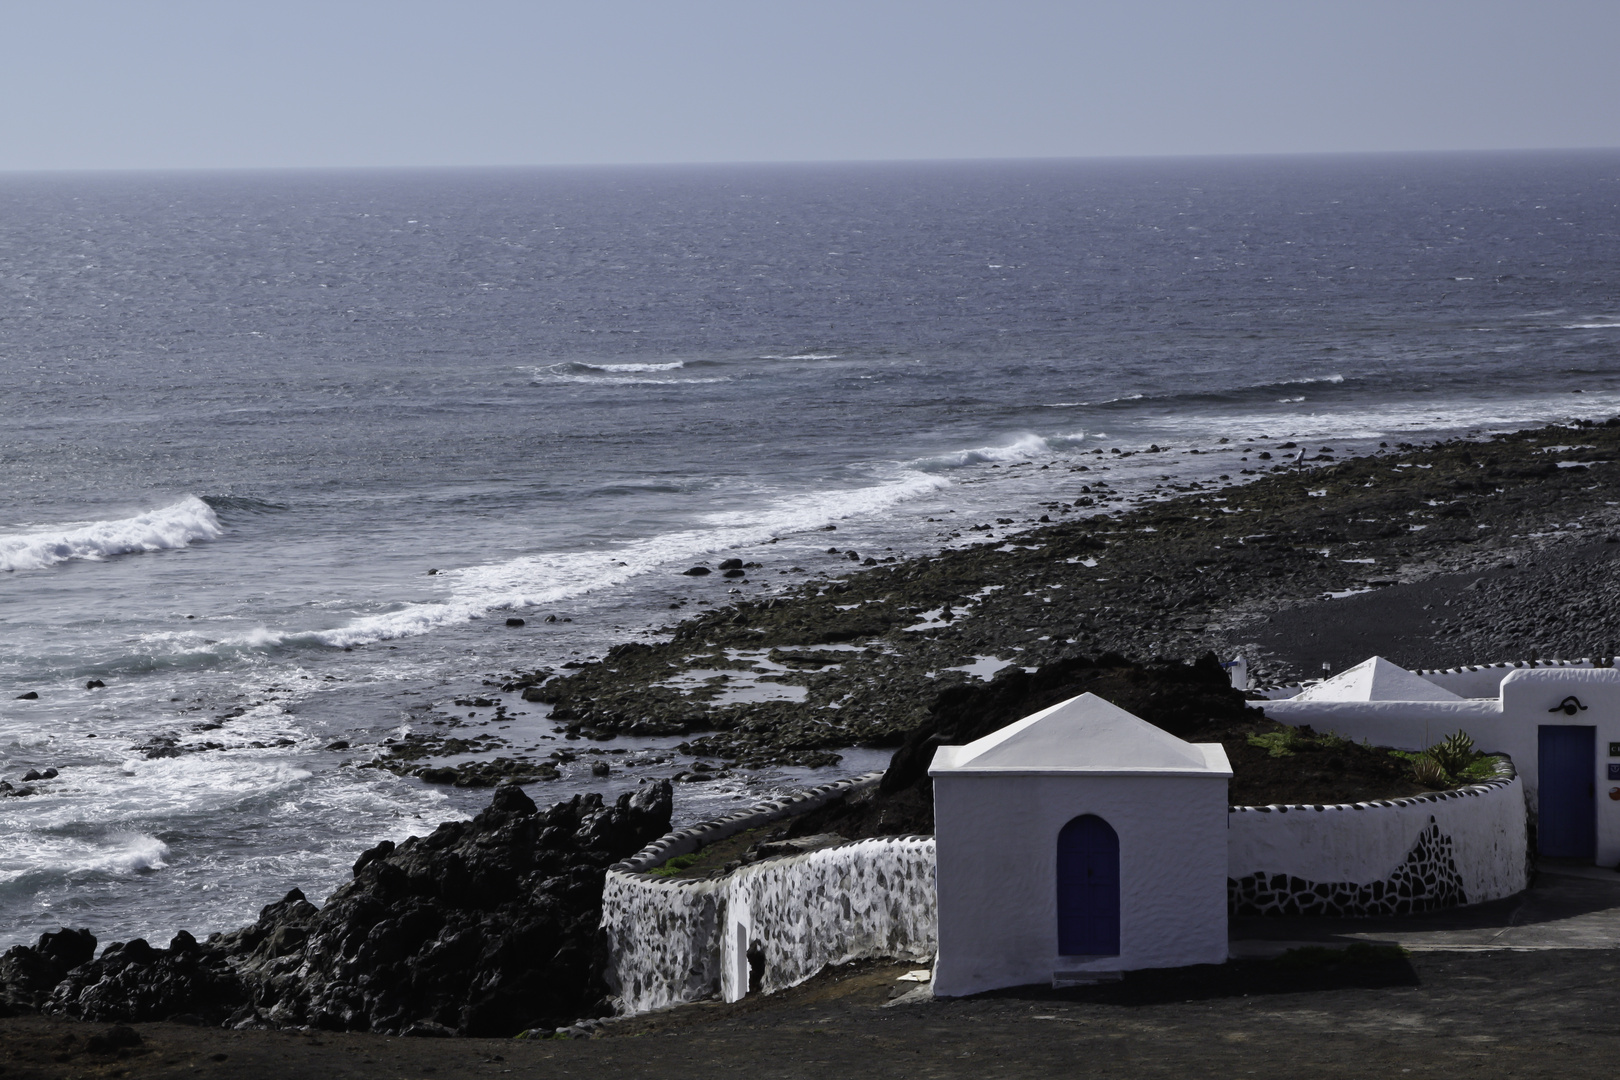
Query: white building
point(1560, 723)
point(1078, 841)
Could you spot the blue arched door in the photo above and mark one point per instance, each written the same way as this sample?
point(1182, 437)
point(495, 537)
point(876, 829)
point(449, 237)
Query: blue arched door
point(1088, 888)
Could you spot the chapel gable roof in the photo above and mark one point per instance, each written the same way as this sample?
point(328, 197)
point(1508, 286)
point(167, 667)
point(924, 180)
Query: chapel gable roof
point(1084, 734)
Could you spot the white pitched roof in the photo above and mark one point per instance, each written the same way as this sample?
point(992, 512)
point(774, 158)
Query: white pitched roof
point(1082, 735)
point(1376, 679)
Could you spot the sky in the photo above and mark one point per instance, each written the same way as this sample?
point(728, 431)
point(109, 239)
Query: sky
point(169, 84)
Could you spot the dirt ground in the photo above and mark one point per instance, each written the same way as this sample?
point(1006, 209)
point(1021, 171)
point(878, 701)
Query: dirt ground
point(1496, 1013)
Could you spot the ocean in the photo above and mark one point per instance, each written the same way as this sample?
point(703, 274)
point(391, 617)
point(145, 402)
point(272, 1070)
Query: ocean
point(280, 453)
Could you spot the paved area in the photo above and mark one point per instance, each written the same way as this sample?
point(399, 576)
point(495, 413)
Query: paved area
point(1568, 906)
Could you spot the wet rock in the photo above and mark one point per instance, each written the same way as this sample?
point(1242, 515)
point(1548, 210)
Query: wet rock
point(736, 573)
point(32, 695)
point(28, 975)
point(443, 775)
point(515, 622)
point(132, 982)
point(600, 768)
point(338, 744)
point(483, 927)
point(732, 564)
point(163, 746)
point(94, 684)
point(697, 571)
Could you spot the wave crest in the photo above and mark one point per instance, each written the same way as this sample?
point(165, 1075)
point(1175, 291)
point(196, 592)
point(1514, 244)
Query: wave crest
point(166, 528)
point(536, 580)
point(1022, 448)
point(615, 369)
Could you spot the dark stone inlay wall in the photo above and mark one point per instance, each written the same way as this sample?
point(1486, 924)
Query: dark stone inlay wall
point(1427, 881)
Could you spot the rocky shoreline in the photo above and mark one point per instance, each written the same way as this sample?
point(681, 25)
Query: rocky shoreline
point(486, 927)
point(857, 660)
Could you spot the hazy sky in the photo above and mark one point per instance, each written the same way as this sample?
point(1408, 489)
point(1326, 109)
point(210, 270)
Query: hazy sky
point(96, 84)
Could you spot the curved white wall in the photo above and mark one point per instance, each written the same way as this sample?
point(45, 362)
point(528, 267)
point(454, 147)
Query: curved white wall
point(1384, 857)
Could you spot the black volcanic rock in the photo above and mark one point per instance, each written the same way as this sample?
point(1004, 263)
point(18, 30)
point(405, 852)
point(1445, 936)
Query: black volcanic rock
point(133, 982)
point(28, 975)
point(483, 927)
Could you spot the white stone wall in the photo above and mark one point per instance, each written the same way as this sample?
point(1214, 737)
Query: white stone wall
point(1529, 698)
point(673, 941)
point(1470, 845)
point(1485, 680)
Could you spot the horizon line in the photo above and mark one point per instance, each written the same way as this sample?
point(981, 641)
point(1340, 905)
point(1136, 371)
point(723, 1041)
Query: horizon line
point(111, 170)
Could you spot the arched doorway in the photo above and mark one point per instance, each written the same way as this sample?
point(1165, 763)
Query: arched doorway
point(1088, 888)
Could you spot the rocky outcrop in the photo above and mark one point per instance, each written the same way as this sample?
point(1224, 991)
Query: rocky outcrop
point(133, 982)
point(28, 975)
point(482, 927)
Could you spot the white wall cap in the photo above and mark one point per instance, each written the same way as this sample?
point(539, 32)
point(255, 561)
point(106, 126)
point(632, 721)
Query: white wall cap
point(1376, 679)
point(1215, 758)
point(1525, 681)
point(1563, 675)
point(1084, 734)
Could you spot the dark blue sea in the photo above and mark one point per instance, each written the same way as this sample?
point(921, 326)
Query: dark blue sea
point(242, 416)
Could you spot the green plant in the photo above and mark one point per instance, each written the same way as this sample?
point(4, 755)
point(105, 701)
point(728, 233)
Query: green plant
point(1429, 772)
point(675, 865)
point(1454, 753)
point(1281, 743)
point(1289, 740)
point(1332, 740)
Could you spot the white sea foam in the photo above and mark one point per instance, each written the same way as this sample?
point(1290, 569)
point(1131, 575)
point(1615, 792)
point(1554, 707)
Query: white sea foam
point(614, 369)
point(173, 526)
point(117, 853)
point(619, 374)
point(1398, 417)
point(1022, 448)
point(801, 356)
point(535, 580)
point(134, 852)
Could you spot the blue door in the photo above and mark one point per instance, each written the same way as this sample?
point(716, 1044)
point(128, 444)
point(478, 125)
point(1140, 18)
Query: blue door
point(1566, 824)
point(1088, 888)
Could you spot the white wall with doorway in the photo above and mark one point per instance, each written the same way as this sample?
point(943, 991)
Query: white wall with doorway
point(1000, 806)
point(1529, 699)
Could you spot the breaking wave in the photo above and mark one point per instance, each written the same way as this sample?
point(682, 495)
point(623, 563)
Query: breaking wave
point(550, 578)
point(629, 374)
point(1023, 448)
point(615, 369)
point(170, 527)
